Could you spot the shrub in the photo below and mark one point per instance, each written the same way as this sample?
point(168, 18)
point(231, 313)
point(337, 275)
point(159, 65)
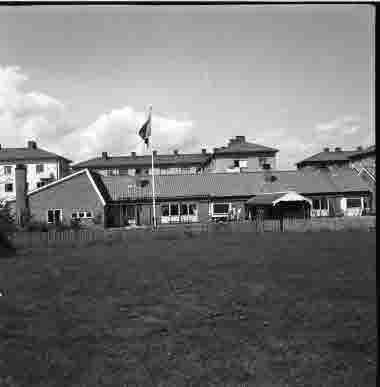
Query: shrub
point(7, 227)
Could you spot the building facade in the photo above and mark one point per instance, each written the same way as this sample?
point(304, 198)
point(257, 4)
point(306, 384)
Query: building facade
point(119, 201)
point(238, 156)
point(42, 167)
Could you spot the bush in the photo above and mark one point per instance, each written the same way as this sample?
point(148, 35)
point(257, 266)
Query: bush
point(7, 227)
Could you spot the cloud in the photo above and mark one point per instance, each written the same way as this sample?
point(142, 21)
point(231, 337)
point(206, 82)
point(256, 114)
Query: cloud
point(34, 115)
point(28, 114)
point(116, 133)
point(342, 125)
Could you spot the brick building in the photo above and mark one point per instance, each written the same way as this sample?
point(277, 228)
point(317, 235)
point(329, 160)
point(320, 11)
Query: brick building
point(116, 201)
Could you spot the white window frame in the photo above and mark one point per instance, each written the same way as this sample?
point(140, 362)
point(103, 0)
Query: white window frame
point(8, 168)
point(220, 215)
point(82, 217)
point(37, 167)
point(40, 184)
point(5, 189)
point(179, 218)
point(353, 208)
point(54, 209)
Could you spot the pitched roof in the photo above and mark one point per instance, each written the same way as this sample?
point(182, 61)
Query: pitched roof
point(327, 156)
point(22, 154)
point(364, 152)
point(243, 147)
point(242, 184)
point(145, 161)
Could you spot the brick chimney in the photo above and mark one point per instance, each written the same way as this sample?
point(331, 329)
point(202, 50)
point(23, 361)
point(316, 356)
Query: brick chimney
point(0, 146)
point(32, 145)
point(133, 154)
point(326, 149)
point(175, 152)
point(104, 155)
point(21, 198)
point(338, 149)
point(154, 153)
point(204, 151)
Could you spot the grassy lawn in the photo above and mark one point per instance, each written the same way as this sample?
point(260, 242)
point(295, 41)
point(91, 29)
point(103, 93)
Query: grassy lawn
point(240, 310)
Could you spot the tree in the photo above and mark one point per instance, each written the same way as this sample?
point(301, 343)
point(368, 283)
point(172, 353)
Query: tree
point(7, 226)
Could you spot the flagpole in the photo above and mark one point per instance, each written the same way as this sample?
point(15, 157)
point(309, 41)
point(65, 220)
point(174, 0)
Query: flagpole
point(153, 185)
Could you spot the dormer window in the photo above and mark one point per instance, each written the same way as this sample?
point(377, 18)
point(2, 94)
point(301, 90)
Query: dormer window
point(7, 170)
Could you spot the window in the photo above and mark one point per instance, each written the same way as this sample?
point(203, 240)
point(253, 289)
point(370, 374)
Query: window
point(8, 187)
point(235, 164)
point(221, 208)
point(54, 216)
point(324, 204)
point(186, 170)
point(174, 209)
point(39, 168)
point(81, 214)
point(40, 184)
point(184, 209)
point(316, 204)
point(7, 170)
point(192, 209)
point(262, 161)
point(165, 210)
point(354, 203)
point(112, 172)
point(50, 216)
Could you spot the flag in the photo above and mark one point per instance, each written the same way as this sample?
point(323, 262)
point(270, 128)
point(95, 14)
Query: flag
point(146, 130)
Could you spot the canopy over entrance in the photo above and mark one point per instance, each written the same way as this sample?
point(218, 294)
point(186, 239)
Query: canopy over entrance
point(272, 199)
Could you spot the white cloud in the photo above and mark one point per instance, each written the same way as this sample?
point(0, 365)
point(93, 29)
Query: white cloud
point(342, 125)
point(34, 115)
point(28, 115)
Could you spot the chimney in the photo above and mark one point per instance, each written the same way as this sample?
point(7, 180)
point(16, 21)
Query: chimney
point(32, 145)
point(21, 199)
point(104, 155)
point(176, 152)
point(0, 146)
point(154, 153)
point(240, 139)
point(204, 151)
point(133, 154)
point(337, 149)
point(326, 149)
point(359, 148)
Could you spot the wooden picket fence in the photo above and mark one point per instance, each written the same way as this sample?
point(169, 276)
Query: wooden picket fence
point(79, 237)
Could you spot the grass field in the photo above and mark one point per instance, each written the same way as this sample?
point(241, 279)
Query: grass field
point(274, 309)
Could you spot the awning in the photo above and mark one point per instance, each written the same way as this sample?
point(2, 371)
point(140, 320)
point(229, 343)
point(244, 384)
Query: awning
point(274, 198)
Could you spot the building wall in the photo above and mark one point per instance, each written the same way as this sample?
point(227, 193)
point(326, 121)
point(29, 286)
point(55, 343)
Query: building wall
point(52, 170)
point(222, 164)
point(73, 195)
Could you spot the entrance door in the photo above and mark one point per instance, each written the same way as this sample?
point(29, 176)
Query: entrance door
point(129, 214)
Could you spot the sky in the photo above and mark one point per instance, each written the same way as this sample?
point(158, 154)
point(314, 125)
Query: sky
point(79, 79)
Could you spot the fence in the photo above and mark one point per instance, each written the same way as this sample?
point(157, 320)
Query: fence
point(85, 236)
